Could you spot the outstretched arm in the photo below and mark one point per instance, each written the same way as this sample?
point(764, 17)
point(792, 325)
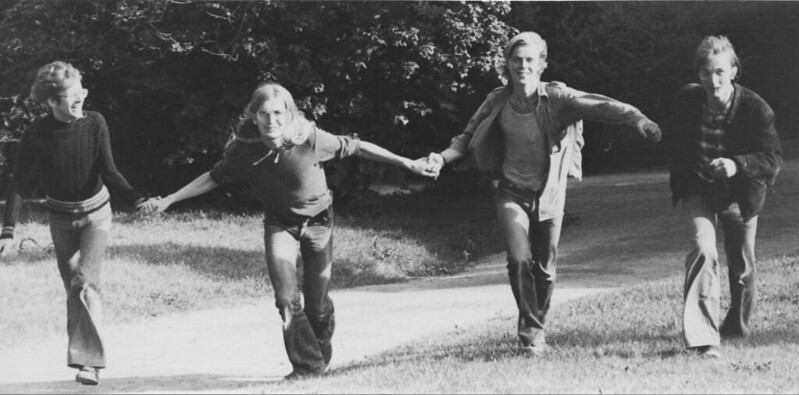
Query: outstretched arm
point(202, 184)
point(601, 108)
point(379, 154)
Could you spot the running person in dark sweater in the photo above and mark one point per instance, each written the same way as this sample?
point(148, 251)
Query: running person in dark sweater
point(280, 154)
point(73, 151)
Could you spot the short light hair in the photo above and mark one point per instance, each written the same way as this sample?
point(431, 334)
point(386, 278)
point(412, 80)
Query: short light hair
point(298, 129)
point(52, 79)
point(714, 45)
point(524, 38)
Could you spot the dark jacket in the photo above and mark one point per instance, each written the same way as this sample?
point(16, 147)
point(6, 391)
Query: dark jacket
point(753, 144)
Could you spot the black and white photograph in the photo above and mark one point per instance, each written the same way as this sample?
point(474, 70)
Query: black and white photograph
point(418, 197)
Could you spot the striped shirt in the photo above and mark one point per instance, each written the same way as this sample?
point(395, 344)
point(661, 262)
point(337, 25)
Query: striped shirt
point(712, 144)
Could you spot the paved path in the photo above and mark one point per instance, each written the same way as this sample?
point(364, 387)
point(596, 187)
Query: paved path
point(225, 349)
point(222, 349)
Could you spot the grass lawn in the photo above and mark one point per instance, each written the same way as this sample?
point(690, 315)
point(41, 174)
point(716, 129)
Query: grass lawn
point(200, 259)
point(627, 341)
point(623, 342)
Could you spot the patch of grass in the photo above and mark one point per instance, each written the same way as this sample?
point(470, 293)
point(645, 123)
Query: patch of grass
point(395, 238)
point(628, 341)
point(199, 259)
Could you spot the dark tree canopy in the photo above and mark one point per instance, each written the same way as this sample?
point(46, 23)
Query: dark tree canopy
point(172, 77)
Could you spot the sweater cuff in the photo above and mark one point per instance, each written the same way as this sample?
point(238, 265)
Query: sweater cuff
point(139, 201)
point(7, 233)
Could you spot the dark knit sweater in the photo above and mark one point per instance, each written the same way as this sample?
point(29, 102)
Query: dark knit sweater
point(75, 161)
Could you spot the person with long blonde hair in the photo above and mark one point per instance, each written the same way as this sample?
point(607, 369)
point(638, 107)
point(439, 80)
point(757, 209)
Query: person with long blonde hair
point(280, 154)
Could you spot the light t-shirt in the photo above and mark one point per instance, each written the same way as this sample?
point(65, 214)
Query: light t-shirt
point(525, 149)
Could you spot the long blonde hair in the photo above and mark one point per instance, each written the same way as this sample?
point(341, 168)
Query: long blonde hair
point(298, 128)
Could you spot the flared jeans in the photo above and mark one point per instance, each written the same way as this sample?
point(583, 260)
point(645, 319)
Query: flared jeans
point(702, 290)
point(80, 243)
point(308, 330)
point(532, 248)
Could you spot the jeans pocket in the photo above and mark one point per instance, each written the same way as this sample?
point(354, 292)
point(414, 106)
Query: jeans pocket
point(101, 219)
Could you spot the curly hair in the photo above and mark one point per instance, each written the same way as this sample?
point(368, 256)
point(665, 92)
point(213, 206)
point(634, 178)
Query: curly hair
point(53, 78)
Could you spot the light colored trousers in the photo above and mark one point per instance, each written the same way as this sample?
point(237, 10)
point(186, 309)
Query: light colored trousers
point(702, 284)
point(80, 242)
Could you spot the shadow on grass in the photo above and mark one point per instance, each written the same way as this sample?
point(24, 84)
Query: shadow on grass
point(219, 262)
point(637, 322)
point(450, 230)
point(232, 264)
point(577, 345)
point(156, 384)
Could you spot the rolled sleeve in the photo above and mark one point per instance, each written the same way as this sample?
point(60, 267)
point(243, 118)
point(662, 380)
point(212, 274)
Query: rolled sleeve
point(329, 146)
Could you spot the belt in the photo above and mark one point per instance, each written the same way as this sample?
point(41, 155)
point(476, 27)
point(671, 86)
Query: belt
point(504, 183)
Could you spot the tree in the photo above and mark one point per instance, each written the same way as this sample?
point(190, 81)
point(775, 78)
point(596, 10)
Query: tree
point(173, 76)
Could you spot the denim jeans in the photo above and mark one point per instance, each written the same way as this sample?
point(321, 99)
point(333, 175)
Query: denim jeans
point(307, 331)
point(532, 248)
point(702, 290)
point(80, 242)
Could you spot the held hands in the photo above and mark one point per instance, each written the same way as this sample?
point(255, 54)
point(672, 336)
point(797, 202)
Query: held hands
point(423, 167)
point(723, 168)
point(154, 205)
point(649, 130)
point(436, 162)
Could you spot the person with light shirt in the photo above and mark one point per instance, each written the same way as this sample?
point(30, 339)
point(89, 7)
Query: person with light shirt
point(72, 149)
point(726, 154)
point(529, 133)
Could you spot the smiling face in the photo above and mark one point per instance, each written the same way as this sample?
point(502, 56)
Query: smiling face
point(525, 65)
point(272, 118)
point(716, 76)
point(67, 105)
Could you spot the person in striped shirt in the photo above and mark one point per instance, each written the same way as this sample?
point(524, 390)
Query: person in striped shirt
point(726, 154)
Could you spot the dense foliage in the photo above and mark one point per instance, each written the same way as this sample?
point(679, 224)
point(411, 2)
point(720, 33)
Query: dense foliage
point(173, 76)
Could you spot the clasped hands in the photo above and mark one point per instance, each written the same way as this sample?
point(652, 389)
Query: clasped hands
point(153, 205)
point(429, 166)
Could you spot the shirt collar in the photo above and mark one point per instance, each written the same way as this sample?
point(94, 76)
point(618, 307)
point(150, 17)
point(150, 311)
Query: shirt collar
point(542, 89)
